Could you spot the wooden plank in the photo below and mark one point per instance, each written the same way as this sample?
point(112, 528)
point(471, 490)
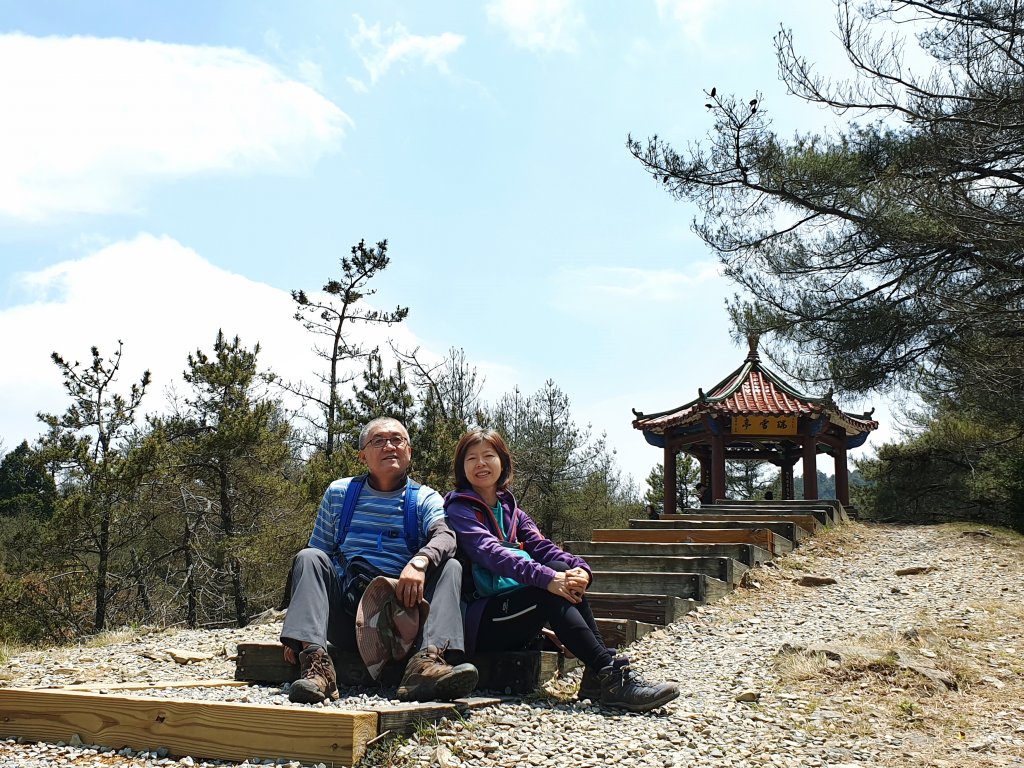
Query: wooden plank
point(695, 586)
point(203, 729)
point(762, 537)
point(513, 672)
point(153, 685)
point(791, 531)
point(724, 568)
point(824, 515)
point(835, 509)
point(652, 609)
point(809, 523)
point(748, 554)
point(618, 633)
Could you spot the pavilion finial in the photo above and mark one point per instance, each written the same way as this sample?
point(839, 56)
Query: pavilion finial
point(753, 339)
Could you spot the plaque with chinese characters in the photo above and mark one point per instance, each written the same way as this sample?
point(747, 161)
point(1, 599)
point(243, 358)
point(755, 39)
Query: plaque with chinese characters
point(764, 425)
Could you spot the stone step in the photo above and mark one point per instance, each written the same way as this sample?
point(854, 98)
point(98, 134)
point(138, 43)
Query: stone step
point(823, 516)
point(693, 586)
point(748, 554)
point(651, 609)
point(762, 537)
point(510, 672)
point(795, 533)
point(725, 568)
point(809, 523)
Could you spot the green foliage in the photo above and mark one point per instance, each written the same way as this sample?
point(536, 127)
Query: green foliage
point(85, 450)
point(231, 457)
point(25, 486)
point(687, 477)
point(960, 466)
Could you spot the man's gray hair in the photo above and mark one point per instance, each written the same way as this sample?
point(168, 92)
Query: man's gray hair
point(364, 433)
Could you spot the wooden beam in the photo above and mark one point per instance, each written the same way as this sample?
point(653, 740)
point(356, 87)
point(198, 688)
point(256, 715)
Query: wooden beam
point(653, 609)
point(512, 672)
point(204, 729)
point(618, 633)
point(748, 554)
point(725, 568)
point(806, 521)
point(156, 685)
point(762, 537)
point(696, 586)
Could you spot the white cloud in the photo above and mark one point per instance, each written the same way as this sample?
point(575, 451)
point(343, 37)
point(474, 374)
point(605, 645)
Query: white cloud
point(163, 300)
point(689, 15)
point(598, 286)
point(540, 25)
point(380, 49)
point(89, 122)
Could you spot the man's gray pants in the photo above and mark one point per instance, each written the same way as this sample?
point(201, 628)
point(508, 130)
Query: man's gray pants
point(316, 613)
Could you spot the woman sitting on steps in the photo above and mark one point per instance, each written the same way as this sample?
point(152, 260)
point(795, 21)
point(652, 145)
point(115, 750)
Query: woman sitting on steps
point(516, 580)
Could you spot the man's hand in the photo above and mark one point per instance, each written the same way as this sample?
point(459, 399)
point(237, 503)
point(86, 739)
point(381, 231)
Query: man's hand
point(410, 586)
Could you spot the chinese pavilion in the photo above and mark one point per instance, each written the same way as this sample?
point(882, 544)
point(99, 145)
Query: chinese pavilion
point(752, 414)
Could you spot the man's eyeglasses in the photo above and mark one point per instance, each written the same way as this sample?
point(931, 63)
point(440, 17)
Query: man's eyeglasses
point(379, 442)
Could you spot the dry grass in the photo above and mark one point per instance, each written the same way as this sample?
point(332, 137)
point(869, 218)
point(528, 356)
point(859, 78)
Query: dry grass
point(984, 655)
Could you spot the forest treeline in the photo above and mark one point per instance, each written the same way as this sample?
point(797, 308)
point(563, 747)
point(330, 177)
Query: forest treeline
point(119, 515)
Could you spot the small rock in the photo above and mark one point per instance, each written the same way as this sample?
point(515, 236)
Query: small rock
point(812, 580)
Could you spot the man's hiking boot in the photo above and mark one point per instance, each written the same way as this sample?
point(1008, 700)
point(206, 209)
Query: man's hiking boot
point(317, 680)
point(623, 688)
point(428, 677)
point(590, 683)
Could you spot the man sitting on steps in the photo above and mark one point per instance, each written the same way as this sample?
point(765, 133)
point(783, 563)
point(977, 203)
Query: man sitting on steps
point(379, 535)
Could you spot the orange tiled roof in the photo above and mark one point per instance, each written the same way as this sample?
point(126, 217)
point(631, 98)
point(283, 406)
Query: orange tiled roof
point(752, 390)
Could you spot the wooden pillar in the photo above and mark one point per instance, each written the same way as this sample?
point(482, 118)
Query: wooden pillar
point(842, 474)
point(787, 480)
point(670, 478)
point(717, 468)
point(810, 468)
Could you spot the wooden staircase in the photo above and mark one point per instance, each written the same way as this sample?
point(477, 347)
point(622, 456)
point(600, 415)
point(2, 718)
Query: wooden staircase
point(655, 571)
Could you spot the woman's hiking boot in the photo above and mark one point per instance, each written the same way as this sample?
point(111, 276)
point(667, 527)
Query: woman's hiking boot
point(317, 680)
point(623, 688)
point(428, 677)
point(590, 683)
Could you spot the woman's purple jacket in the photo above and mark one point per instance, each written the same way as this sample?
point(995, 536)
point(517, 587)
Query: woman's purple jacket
point(479, 543)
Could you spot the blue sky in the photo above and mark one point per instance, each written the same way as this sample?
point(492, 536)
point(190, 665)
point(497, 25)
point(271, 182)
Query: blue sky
point(168, 169)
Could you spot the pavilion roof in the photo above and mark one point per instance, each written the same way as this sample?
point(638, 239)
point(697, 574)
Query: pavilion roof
point(753, 390)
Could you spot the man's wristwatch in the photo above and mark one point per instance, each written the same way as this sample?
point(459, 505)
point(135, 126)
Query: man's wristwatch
point(420, 563)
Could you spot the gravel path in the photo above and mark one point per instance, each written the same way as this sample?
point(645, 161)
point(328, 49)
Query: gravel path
point(747, 699)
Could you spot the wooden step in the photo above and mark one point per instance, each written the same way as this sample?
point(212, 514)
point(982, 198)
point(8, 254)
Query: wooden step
point(652, 609)
point(694, 586)
point(748, 554)
point(725, 568)
point(210, 730)
point(791, 531)
point(618, 633)
point(512, 672)
point(836, 510)
point(824, 515)
point(809, 523)
point(762, 537)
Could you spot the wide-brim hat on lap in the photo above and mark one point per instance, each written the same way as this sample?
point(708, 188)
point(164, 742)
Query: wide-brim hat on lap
point(385, 629)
